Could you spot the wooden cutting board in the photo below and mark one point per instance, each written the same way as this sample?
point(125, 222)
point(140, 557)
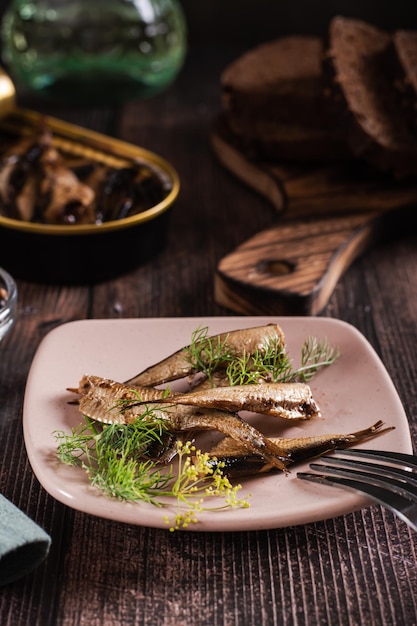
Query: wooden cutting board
point(327, 216)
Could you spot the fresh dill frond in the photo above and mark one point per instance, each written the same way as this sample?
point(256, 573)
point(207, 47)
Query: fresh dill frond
point(126, 478)
point(315, 354)
point(135, 438)
point(206, 354)
point(92, 439)
point(113, 457)
point(80, 443)
point(273, 364)
point(241, 371)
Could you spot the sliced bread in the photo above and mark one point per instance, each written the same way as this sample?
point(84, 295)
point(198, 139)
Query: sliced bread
point(368, 76)
point(280, 80)
point(275, 103)
point(293, 142)
point(406, 46)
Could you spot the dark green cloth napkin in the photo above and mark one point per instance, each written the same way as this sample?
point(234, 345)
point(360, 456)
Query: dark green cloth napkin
point(23, 544)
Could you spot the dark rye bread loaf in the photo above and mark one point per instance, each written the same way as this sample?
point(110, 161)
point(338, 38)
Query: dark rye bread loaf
point(280, 80)
point(406, 46)
point(370, 78)
point(291, 142)
point(274, 102)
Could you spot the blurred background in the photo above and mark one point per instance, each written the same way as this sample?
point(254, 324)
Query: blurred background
point(246, 21)
point(240, 24)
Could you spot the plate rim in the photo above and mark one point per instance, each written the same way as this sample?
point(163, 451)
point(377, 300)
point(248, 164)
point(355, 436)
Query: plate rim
point(224, 522)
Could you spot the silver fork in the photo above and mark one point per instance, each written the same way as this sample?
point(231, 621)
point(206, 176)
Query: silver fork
point(390, 481)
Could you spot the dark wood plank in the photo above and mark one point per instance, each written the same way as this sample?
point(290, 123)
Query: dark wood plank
point(357, 569)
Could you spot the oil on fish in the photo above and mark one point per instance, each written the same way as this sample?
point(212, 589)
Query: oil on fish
point(293, 401)
point(108, 401)
point(236, 462)
point(180, 365)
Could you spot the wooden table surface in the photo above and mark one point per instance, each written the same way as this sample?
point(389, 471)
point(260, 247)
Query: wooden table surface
point(357, 569)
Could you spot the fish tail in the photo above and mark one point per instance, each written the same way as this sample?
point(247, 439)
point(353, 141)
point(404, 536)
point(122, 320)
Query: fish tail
point(371, 431)
point(275, 455)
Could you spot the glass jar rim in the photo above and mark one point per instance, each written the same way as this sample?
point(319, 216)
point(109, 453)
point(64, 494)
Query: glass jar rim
point(10, 288)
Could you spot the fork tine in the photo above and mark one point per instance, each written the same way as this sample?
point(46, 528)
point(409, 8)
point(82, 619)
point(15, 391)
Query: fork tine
point(385, 479)
point(396, 458)
point(400, 506)
point(408, 477)
point(392, 483)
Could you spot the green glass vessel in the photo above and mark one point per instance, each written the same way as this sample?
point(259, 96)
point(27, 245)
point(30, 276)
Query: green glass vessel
point(95, 53)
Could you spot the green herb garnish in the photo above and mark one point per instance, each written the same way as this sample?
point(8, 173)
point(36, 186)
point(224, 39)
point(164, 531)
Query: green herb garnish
point(196, 480)
point(272, 363)
point(206, 354)
point(114, 458)
point(315, 355)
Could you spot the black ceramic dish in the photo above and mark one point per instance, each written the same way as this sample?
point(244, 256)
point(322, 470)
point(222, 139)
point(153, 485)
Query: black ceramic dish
point(58, 257)
point(82, 254)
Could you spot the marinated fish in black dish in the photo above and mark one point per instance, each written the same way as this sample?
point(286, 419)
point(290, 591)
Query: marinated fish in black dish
point(70, 195)
point(38, 183)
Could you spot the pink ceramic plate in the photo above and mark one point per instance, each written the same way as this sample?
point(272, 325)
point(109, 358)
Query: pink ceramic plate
point(353, 393)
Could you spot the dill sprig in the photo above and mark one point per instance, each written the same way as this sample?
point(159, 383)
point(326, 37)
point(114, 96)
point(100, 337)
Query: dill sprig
point(114, 455)
point(267, 364)
point(114, 459)
point(80, 443)
point(206, 354)
point(274, 364)
point(195, 481)
point(315, 354)
point(126, 478)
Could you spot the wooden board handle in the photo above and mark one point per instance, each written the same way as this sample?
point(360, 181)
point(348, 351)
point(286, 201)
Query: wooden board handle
point(293, 268)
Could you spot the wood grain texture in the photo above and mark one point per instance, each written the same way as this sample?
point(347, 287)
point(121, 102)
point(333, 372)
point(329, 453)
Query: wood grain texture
point(293, 268)
point(357, 569)
point(308, 189)
point(330, 214)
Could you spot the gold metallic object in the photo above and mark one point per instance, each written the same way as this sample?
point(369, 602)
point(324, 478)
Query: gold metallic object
point(96, 147)
point(82, 253)
point(7, 93)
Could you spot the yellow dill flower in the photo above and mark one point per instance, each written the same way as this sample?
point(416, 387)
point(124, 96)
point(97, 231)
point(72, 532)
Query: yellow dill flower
point(195, 482)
